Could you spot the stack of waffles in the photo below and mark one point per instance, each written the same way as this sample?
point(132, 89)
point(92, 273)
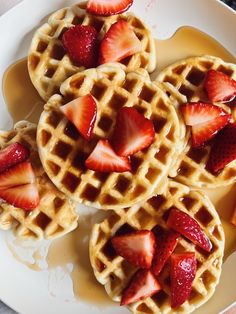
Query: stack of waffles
point(111, 138)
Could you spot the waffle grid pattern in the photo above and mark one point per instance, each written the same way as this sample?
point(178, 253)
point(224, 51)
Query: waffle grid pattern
point(63, 151)
point(55, 216)
point(188, 78)
point(114, 272)
point(48, 63)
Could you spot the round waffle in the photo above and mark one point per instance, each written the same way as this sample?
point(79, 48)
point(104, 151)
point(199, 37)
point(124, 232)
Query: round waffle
point(187, 76)
point(114, 272)
point(55, 215)
point(63, 151)
point(48, 63)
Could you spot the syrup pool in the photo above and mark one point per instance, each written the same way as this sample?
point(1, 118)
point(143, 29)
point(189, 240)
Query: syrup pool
point(73, 248)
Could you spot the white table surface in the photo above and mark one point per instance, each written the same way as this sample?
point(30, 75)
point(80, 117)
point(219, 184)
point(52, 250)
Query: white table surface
point(4, 6)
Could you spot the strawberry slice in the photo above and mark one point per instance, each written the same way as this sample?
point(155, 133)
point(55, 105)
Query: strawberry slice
point(142, 285)
point(133, 132)
point(188, 227)
point(18, 187)
point(13, 155)
point(206, 121)
point(136, 247)
point(108, 7)
point(166, 242)
point(104, 159)
point(223, 150)
point(120, 42)
point(18, 175)
point(81, 44)
point(22, 196)
point(219, 86)
point(182, 274)
point(82, 112)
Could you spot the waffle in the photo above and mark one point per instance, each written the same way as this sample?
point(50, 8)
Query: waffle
point(63, 151)
point(55, 216)
point(187, 76)
point(48, 63)
point(114, 272)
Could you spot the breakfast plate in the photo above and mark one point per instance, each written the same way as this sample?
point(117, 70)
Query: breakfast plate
point(56, 277)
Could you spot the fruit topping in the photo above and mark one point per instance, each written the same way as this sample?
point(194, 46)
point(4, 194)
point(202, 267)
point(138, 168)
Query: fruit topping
point(81, 44)
point(188, 227)
point(133, 132)
point(82, 112)
point(223, 150)
point(13, 155)
point(18, 187)
point(108, 7)
point(182, 274)
point(104, 159)
point(119, 42)
point(219, 86)
point(136, 247)
point(142, 285)
point(166, 241)
point(206, 121)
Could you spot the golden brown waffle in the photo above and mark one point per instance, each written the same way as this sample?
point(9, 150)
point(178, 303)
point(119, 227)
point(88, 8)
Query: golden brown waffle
point(114, 272)
point(48, 63)
point(63, 151)
point(187, 76)
point(55, 215)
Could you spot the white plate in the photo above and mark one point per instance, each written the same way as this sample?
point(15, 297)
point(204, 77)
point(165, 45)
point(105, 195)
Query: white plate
point(23, 289)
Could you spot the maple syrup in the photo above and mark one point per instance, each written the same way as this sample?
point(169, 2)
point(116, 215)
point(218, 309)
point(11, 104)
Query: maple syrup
point(73, 248)
point(22, 99)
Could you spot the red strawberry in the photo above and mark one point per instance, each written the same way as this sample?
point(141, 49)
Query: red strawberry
point(18, 175)
point(136, 247)
point(108, 7)
point(166, 242)
point(82, 112)
point(13, 155)
point(18, 187)
point(182, 274)
point(133, 132)
point(142, 285)
point(81, 44)
point(119, 42)
point(104, 159)
point(22, 196)
point(206, 121)
point(223, 150)
point(188, 227)
point(219, 86)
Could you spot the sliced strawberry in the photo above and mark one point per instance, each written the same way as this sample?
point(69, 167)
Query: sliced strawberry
point(22, 196)
point(182, 274)
point(166, 242)
point(108, 7)
point(133, 132)
point(188, 227)
point(223, 150)
point(219, 86)
point(120, 42)
point(142, 285)
point(18, 175)
point(104, 159)
point(206, 121)
point(13, 155)
point(136, 247)
point(82, 112)
point(195, 113)
point(81, 44)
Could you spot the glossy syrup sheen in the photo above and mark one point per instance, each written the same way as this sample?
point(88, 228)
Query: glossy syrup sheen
point(186, 42)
